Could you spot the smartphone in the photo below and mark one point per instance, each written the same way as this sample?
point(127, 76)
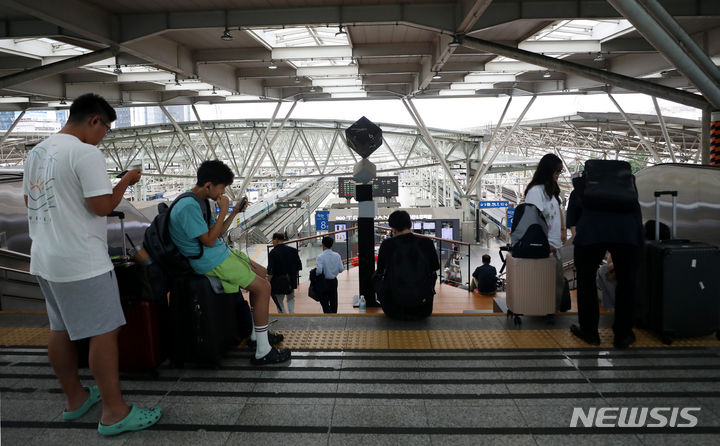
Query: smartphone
point(121, 174)
point(243, 202)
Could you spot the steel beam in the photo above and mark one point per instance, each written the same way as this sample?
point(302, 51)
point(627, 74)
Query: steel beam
point(604, 77)
point(12, 127)
point(507, 138)
point(640, 136)
point(668, 141)
point(478, 172)
point(430, 142)
point(674, 51)
point(55, 68)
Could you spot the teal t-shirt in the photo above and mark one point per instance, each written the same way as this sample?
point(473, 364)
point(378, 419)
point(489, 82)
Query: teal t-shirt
point(186, 225)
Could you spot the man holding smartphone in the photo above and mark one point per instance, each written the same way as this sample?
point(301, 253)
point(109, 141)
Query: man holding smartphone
point(233, 267)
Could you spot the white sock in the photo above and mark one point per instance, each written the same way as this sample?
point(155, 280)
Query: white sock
point(253, 336)
point(263, 345)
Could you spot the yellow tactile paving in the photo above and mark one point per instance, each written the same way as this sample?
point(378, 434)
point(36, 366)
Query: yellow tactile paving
point(24, 336)
point(449, 339)
point(533, 339)
point(329, 339)
point(367, 339)
point(408, 339)
point(490, 339)
point(415, 339)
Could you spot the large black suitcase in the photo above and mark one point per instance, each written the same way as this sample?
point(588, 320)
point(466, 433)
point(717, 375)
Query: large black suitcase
point(680, 286)
point(203, 322)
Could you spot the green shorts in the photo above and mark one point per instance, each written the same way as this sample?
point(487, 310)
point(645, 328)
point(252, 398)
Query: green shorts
point(234, 272)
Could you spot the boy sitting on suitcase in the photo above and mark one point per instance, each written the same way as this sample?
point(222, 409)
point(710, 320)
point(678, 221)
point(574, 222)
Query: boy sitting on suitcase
point(234, 268)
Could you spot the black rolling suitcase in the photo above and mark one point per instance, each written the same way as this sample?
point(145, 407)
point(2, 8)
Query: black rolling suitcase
point(203, 321)
point(680, 286)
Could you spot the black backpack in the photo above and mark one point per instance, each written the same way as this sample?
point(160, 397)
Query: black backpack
point(609, 185)
point(409, 281)
point(159, 244)
point(529, 233)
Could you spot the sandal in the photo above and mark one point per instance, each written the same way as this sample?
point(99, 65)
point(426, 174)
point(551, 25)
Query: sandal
point(137, 419)
point(275, 356)
point(92, 399)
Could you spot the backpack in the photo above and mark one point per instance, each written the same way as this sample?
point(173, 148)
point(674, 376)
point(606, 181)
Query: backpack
point(408, 280)
point(609, 185)
point(529, 233)
point(159, 244)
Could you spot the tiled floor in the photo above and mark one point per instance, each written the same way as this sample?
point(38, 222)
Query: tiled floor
point(330, 395)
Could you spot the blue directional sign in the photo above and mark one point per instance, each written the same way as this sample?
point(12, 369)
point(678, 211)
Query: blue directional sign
point(493, 204)
point(510, 215)
point(230, 209)
point(321, 220)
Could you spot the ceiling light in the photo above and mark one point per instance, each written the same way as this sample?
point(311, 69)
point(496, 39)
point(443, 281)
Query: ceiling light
point(214, 92)
point(352, 62)
point(547, 75)
point(312, 89)
point(177, 81)
point(297, 80)
point(455, 42)
point(341, 32)
point(226, 36)
point(599, 57)
point(437, 75)
point(62, 101)
point(117, 69)
point(272, 65)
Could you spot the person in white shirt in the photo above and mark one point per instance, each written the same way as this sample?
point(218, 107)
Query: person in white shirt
point(68, 195)
point(544, 192)
point(329, 264)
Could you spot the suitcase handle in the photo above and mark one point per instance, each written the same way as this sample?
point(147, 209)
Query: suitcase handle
point(658, 194)
point(121, 216)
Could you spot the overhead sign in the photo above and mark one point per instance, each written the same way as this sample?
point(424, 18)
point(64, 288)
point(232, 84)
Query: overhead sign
point(382, 187)
point(493, 204)
point(510, 215)
point(288, 204)
point(321, 220)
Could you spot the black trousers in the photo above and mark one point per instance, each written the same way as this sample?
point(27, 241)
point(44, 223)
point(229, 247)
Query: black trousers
point(329, 300)
point(587, 261)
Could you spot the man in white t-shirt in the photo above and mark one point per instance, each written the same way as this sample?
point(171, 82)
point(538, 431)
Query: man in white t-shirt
point(68, 195)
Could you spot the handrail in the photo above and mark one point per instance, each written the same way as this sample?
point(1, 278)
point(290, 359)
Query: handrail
point(316, 236)
point(457, 242)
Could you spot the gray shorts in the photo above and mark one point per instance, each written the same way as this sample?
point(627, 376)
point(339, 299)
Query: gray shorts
point(84, 308)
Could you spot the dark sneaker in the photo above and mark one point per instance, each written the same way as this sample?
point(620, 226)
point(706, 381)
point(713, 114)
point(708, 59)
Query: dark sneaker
point(276, 356)
point(273, 339)
point(624, 341)
point(589, 338)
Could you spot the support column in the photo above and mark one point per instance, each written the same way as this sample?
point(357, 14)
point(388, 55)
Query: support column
point(714, 155)
point(366, 241)
point(12, 127)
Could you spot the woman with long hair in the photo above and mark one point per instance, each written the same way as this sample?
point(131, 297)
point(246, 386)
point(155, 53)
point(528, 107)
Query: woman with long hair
point(544, 192)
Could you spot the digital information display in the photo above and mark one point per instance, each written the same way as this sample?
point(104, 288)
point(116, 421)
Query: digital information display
point(382, 187)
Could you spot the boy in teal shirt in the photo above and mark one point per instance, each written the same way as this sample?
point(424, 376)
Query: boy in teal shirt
point(233, 267)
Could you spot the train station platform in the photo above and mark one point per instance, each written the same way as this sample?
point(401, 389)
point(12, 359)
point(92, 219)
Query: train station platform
point(364, 379)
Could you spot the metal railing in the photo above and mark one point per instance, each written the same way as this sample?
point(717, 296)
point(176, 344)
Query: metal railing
point(446, 249)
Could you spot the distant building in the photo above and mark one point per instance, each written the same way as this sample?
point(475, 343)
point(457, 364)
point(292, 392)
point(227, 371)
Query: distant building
point(123, 117)
point(6, 119)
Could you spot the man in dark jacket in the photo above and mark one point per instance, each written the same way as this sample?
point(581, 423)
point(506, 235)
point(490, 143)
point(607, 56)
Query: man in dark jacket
point(283, 266)
point(485, 277)
point(598, 231)
point(407, 264)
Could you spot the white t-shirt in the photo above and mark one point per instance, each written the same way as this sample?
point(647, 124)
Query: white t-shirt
point(550, 209)
point(69, 242)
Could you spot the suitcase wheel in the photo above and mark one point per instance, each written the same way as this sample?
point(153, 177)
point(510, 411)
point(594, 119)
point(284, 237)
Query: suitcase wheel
point(550, 319)
point(517, 320)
